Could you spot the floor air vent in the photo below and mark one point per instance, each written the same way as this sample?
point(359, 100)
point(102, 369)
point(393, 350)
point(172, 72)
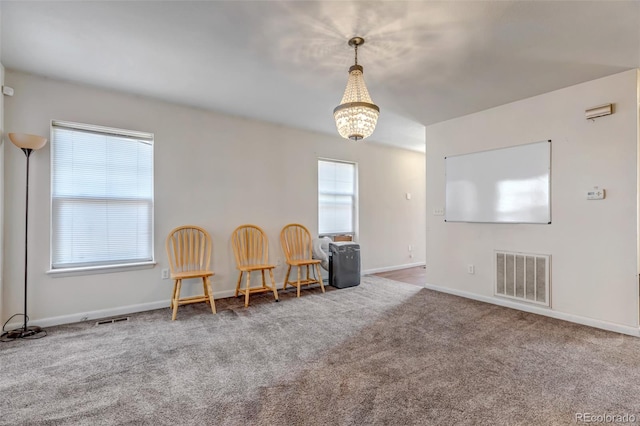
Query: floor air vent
point(523, 276)
point(112, 320)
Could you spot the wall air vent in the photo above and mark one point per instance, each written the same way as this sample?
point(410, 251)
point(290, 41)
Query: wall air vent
point(112, 320)
point(523, 276)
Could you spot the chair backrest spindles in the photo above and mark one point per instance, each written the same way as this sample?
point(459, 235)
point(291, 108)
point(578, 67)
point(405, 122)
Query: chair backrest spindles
point(250, 245)
point(296, 242)
point(188, 249)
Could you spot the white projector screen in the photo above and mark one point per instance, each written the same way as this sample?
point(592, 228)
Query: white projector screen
point(507, 185)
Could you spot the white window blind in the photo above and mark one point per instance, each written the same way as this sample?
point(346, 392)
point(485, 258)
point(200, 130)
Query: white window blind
point(336, 197)
point(101, 196)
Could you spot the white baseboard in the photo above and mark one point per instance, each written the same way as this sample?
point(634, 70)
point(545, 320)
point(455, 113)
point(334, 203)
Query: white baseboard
point(141, 307)
point(93, 315)
point(604, 325)
point(112, 312)
point(123, 310)
point(391, 268)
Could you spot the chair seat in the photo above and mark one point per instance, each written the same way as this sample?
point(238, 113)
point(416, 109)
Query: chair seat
point(191, 274)
point(249, 268)
point(303, 262)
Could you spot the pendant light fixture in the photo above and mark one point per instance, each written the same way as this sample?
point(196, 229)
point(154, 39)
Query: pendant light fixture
point(357, 115)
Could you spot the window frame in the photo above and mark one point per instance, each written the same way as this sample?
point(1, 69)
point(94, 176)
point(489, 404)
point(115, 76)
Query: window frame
point(354, 198)
point(108, 266)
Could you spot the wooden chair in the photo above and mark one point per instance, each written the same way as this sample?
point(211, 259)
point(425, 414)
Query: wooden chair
point(251, 249)
point(189, 251)
point(296, 244)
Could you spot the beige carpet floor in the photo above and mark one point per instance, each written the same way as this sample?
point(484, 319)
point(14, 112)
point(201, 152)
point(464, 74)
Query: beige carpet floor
point(382, 353)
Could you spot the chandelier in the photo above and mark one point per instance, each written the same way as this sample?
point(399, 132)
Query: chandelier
point(357, 115)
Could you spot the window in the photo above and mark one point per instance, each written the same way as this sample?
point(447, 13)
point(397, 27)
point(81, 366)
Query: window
point(101, 196)
point(336, 197)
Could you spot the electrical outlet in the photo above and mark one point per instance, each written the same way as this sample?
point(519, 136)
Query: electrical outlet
point(165, 274)
point(471, 269)
point(438, 212)
point(409, 247)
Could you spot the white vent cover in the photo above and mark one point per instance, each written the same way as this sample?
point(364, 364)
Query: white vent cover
point(522, 276)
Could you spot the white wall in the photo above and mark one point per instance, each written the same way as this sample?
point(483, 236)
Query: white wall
point(213, 170)
point(593, 244)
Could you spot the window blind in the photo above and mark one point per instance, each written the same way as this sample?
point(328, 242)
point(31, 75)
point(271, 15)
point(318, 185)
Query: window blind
point(101, 196)
point(336, 197)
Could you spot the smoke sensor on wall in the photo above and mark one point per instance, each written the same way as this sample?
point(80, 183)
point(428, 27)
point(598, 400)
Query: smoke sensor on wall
point(599, 111)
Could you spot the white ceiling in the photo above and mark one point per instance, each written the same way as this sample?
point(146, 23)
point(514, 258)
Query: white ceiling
point(287, 62)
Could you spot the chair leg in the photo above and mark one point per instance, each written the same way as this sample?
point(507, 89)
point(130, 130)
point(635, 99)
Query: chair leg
point(307, 273)
point(204, 287)
point(319, 277)
point(209, 293)
point(286, 278)
point(176, 297)
point(264, 283)
point(238, 284)
point(246, 292)
point(173, 293)
point(298, 283)
point(273, 285)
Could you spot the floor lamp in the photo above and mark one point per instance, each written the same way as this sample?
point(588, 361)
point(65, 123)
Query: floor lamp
point(27, 143)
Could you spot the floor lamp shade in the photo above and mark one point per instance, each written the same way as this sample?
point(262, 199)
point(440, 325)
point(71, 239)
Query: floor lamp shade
point(27, 143)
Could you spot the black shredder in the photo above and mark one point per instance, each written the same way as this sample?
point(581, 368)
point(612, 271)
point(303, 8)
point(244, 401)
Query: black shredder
point(344, 264)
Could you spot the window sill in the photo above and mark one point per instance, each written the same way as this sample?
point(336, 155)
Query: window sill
point(340, 237)
point(103, 269)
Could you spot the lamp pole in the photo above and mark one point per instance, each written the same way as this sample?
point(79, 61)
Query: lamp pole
point(27, 331)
